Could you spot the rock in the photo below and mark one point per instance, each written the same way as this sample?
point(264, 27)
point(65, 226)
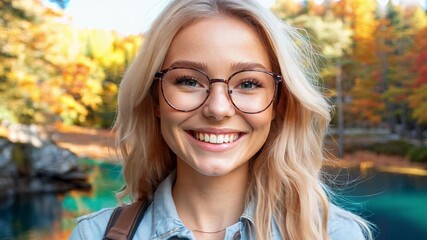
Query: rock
point(34, 165)
point(73, 176)
point(52, 160)
point(6, 186)
point(29, 134)
point(7, 168)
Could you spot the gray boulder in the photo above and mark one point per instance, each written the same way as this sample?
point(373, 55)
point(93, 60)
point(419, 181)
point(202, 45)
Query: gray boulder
point(26, 168)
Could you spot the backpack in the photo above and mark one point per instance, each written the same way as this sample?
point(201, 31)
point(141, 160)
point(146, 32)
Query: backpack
point(125, 220)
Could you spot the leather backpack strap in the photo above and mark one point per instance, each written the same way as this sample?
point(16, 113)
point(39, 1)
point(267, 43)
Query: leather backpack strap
point(125, 220)
point(116, 213)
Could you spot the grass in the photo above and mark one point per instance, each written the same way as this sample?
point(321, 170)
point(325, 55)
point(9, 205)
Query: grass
point(394, 148)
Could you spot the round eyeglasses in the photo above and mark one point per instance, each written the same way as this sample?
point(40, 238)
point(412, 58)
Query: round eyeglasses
point(186, 89)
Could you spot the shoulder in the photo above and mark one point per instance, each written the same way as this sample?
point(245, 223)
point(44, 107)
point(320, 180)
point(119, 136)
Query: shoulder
point(343, 224)
point(92, 226)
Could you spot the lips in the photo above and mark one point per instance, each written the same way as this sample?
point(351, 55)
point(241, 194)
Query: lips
point(216, 138)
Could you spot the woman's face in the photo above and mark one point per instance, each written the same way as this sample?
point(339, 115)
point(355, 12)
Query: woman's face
point(219, 46)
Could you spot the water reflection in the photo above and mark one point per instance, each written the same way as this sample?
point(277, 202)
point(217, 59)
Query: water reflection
point(52, 216)
point(29, 213)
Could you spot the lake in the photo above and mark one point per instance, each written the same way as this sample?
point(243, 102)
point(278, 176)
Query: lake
point(396, 203)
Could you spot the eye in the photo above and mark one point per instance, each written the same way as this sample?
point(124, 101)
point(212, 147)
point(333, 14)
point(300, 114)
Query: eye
point(248, 84)
point(187, 81)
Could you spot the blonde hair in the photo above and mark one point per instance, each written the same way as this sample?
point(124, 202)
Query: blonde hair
point(285, 175)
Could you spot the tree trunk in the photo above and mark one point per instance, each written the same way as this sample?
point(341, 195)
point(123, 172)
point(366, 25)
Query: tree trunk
point(419, 133)
point(340, 116)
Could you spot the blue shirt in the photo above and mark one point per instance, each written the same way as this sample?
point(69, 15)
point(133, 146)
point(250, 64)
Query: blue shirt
point(161, 221)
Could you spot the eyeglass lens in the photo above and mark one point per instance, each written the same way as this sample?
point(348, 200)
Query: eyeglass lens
point(187, 89)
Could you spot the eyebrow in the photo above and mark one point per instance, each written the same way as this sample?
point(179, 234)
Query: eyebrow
point(237, 66)
point(247, 66)
point(184, 63)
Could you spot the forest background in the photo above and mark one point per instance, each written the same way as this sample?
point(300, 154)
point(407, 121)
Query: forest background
point(373, 63)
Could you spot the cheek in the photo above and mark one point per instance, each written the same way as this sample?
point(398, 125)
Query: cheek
point(263, 120)
point(170, 125)
point(261, 123)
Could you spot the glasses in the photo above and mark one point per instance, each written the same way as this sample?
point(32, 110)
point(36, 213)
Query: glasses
point(186, 89)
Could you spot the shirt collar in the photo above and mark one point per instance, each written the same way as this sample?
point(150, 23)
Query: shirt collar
point(166, 221)
point(249, 212)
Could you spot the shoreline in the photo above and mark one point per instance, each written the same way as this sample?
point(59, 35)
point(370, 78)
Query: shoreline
point(98, 144)
point(365, 160)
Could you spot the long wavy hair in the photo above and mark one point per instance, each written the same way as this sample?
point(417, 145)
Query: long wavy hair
point(285, 176)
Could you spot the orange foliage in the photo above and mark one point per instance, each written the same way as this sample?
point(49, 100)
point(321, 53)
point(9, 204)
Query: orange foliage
point(366, 104)
point(420, 55)
point(418, 97)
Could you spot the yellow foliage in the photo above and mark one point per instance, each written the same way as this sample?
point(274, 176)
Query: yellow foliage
point(364, 26)
point(55, 68)
point(418, 102)
point(112, 88)
point(366, 104)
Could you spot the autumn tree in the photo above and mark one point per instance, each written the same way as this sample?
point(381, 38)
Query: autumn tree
point(51, 71)
point(24, 41)
point(113, 53)
point(366, 106)
point(382, 70)
point(418, 96)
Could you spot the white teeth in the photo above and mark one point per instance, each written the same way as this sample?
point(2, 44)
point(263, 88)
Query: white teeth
point(212, 138)
point(218, 139)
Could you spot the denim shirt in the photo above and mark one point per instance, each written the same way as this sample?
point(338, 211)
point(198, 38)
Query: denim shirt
point(161, 221)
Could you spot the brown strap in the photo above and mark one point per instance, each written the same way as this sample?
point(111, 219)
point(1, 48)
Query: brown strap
point(116, 213)
point(127, 222)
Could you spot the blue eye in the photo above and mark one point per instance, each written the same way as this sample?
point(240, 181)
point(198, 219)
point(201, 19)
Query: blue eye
point(249, 84)
point(187, 81)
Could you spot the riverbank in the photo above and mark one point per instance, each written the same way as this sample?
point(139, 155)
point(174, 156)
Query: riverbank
point(383, 163)
point(98, 144)
point(85, 142)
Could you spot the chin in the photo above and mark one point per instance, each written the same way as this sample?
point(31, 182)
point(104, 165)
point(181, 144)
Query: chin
point(213, 166)
point(212, 172)
point(217, 169)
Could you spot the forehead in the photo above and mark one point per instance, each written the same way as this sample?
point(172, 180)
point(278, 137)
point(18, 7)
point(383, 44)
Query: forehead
point(218, 40)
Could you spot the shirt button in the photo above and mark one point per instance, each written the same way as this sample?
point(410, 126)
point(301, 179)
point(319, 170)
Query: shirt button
point(236, 236)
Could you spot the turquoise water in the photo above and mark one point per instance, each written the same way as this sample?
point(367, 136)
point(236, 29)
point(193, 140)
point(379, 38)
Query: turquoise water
point(396, 203)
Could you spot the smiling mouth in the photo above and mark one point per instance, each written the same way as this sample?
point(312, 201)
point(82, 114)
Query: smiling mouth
point(215, 138)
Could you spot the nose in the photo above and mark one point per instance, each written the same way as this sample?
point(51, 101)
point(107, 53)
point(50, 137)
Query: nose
point(218, 105)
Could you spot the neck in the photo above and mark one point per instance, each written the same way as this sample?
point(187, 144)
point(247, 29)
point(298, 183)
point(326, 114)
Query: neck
point(209, 204)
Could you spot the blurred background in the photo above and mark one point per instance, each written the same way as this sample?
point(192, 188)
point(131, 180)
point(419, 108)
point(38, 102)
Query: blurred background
point(61, 62)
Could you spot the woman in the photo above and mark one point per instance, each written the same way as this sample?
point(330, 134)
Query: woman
point(221, 131)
